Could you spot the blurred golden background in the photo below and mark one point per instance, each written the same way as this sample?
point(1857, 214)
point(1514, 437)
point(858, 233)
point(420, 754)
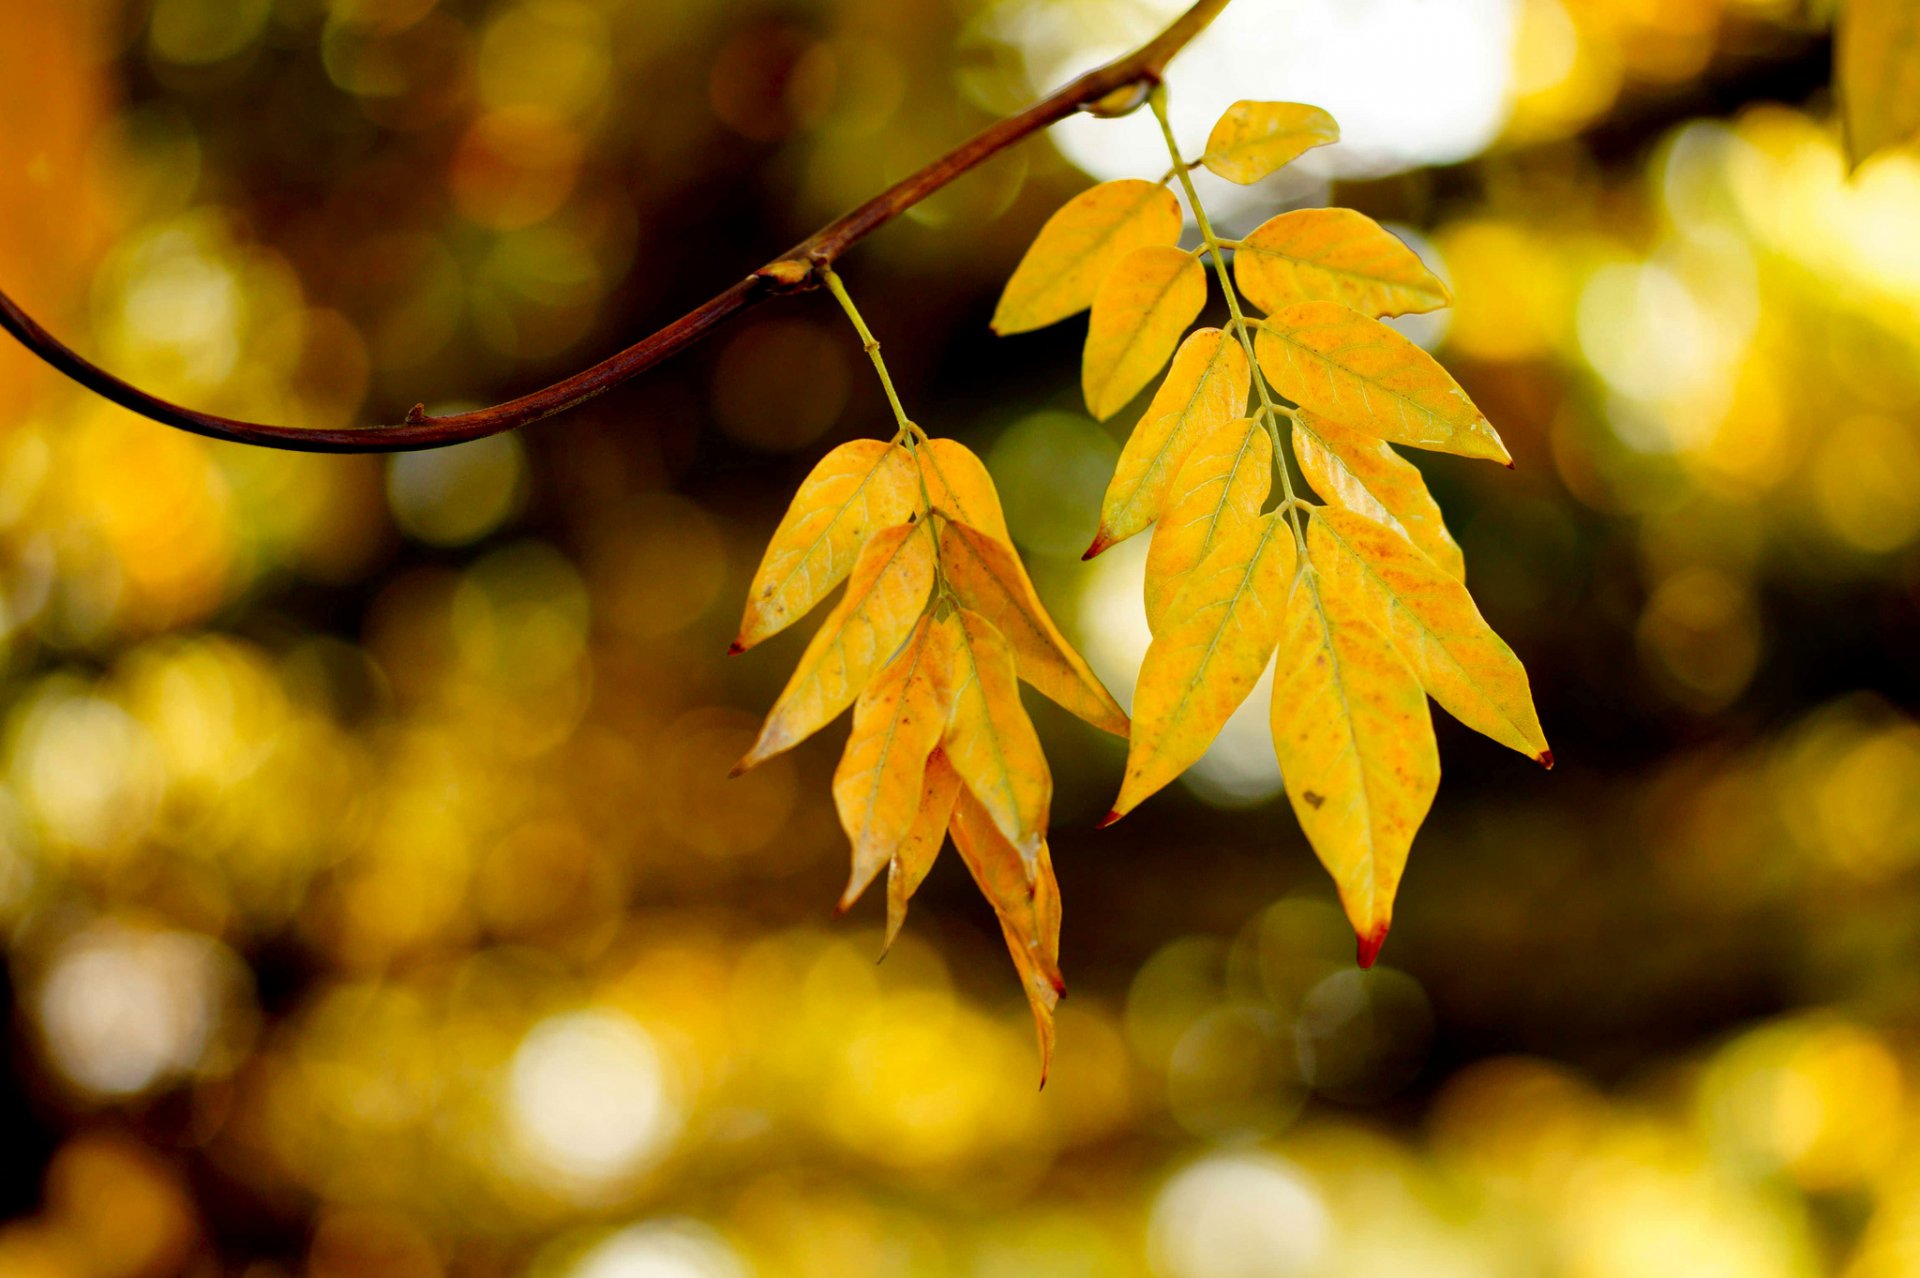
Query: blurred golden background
point(375, 901)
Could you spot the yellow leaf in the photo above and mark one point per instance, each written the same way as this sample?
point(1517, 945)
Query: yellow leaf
point(897, 723)
point(1357, 371)
point(987, 576)
point(885, 596)
point(1206, 386)
point(939, 790)
point(1026, 899)
point(1254, 139)
point(958, 484)
point(1334, 255)
point(1357, 472)
point(859, 487)
point(1217, 494)
point(1216, 639)
point(1877, 74)
point(1356, 749)
point(1431, 620)
point(989, 739)
point(1079, 246)
point(1139, 314)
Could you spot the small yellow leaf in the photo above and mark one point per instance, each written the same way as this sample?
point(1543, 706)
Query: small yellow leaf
point(885, 596)
point(1431, 620)
point(1357, 472)
point(1338, 363)
point(989, 739)
point(897, 722)
point(1254, 139)
point(1877, 73)
point(988, 577)
point(1334, 255)
point(1206, 387)
point(1026, 899)
point(1356, 750)
point(1216, 495)
point(1079, 246)
point(859, 487)
point(1216, 639)
point(959, 486)
point(1139, 314)
point(939, 789)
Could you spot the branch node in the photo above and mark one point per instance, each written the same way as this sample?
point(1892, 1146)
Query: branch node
point(417, 415)
point(787, 275)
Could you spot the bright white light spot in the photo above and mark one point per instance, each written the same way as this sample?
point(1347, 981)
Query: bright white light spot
point(1239, 769)
point(662, 1249)
point(123, 1010)
point(1412, 82)
point(589, 1097)
point(1239, 1216)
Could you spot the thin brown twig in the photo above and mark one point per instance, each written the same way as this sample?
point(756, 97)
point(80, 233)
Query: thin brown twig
point(1117, 87)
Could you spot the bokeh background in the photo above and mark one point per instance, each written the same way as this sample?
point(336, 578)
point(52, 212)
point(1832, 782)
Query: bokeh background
point(375, 902)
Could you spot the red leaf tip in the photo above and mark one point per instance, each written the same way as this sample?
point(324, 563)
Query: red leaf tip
point(1100, 543)
point(739, 769)
point(1369, 945)
point(1106, 820)
point(735, 648)
point(1544, 759)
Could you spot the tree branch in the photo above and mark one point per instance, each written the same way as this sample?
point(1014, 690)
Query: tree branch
point(1115, 88)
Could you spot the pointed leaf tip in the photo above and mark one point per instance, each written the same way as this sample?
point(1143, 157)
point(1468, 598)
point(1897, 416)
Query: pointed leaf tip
point(735, 648)
point(1108, 819)
point(1100, 543)
point(739, 769)
point(1545, 759)
point(1369, 944)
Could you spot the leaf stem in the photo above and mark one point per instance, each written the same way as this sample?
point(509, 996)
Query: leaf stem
point(1269, 411)
point(872, 344)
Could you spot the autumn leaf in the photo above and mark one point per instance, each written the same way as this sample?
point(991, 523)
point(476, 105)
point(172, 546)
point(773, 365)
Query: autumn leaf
point(1079, 247)
point(857, 488)
point(1217, 495)
point(1026, 899)
point(1338, 363)
point(1357, 472)
point(939, 790)
point(886, 594)
point(989, 739)
point(1206, 387)
point(1215, 641)
point(1877, 74)
point(1255, 139)
point(1356, 748)
point(1431, 620)
point(1138, 316)
point(1334, 255)
point(958, 484)
point(987, 576)
point(897, 722)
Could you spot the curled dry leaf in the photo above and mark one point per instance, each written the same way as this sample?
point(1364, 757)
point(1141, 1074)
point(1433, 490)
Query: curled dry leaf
point(1079, 247)
point(1334, 255)
point(1141, 310)
point(1255, 139)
